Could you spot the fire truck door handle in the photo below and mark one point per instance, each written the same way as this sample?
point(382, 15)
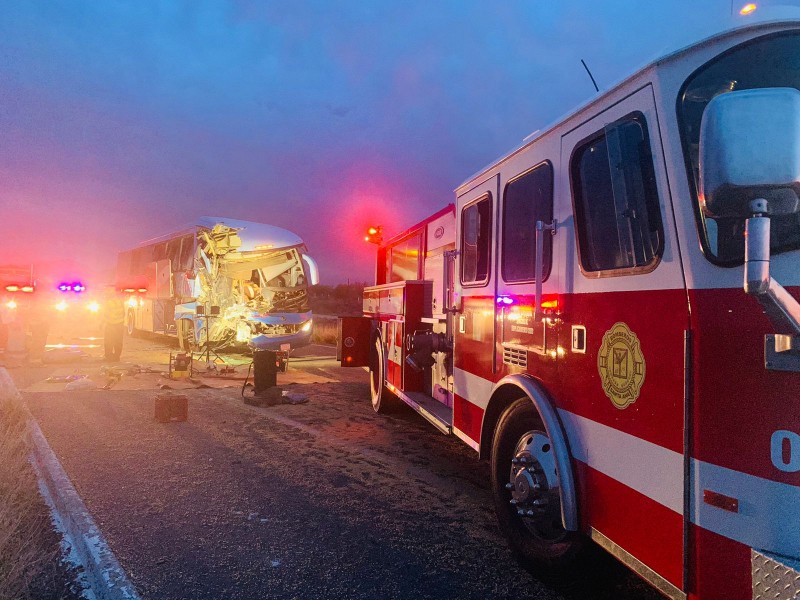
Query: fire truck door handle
point(541, 227)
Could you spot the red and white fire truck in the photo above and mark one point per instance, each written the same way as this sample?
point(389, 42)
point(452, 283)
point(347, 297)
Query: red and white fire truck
point(579, 318)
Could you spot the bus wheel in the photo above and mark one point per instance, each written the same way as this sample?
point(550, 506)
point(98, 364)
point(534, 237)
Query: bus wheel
point(383, 401)
point(527, 496)
point(131, 323)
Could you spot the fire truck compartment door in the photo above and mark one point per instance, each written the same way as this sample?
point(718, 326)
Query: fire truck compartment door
point(622, 392)
point(354, 341)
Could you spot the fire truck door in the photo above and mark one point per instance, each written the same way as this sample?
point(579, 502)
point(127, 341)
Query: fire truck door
point(624, 316)
point(474, 327)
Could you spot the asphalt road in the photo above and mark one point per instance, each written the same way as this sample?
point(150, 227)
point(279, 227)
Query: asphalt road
point(318, 500)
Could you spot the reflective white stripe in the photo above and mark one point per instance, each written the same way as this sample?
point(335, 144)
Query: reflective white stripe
point(646, 467)
point(475, 389)
point(466, 439)
point(769, 512)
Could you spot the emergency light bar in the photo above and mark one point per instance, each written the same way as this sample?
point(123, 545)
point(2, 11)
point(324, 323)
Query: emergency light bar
point(76, 287)
point(20, 288)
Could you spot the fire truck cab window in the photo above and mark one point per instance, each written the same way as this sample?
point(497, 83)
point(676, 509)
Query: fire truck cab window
point(617, 214)
point(770, 61)
point(476, 232)
point(404, 259)
point(527, 199)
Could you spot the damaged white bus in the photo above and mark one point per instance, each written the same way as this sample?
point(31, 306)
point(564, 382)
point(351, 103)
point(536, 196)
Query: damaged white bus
point(233, 283)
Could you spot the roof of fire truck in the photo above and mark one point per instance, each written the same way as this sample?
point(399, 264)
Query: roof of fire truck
point(254, 236)
point(773, 17)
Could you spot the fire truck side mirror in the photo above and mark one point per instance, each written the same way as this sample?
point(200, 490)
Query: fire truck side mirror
point(750, 149)
point(750, 169)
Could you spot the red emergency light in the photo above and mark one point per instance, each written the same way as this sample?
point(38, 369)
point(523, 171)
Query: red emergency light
point(374, 235)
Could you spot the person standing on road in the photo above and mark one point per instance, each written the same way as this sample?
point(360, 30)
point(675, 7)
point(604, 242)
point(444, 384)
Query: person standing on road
point(113, 323)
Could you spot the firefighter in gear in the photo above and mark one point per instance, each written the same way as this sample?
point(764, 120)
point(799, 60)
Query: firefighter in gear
point(113, 324)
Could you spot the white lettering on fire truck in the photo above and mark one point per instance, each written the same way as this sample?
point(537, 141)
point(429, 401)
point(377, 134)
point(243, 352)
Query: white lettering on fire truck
point(621, 365)
point(785, 451)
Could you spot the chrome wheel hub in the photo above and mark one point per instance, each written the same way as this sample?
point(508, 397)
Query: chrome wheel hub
point(534, 486)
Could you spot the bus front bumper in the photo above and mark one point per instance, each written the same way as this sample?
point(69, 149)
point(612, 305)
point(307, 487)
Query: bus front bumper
point(280, 342)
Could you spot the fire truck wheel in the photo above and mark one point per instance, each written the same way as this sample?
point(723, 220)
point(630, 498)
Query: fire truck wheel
point(527, 497)
point(383, 401)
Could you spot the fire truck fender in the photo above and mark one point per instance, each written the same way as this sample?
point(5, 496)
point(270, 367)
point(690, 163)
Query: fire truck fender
point(508, 389)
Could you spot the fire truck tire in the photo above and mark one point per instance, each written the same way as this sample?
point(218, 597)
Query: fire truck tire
point(383, 401)
point(528, 506)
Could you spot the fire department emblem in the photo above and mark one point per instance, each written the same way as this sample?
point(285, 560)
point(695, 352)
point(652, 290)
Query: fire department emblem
point(621, 365)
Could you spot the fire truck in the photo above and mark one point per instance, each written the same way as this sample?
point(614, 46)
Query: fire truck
point(609, 314)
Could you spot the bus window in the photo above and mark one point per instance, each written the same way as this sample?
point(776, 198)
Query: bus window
point(174, 253)
point(186, 262)
point(159, 251)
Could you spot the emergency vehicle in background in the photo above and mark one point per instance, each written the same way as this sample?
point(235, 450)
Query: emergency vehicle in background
point(577, 317)
point(232, 282)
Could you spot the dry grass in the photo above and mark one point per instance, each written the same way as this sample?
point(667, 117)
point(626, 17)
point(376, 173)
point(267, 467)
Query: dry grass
point(22, 561)
point(325, 330)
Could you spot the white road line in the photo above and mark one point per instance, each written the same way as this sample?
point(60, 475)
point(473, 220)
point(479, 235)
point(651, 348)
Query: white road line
point(107, 579)
point(105, 576)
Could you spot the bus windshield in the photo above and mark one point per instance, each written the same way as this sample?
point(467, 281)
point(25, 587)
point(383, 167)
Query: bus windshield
point(769, 61)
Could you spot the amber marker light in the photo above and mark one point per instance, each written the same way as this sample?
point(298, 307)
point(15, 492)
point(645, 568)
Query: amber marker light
point(748, 9)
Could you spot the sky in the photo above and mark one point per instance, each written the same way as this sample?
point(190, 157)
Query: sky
point(120, 121)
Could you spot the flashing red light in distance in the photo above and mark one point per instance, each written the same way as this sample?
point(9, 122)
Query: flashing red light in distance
point(374, 235)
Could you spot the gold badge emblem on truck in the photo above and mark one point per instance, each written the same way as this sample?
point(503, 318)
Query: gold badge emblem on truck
point(621, 365)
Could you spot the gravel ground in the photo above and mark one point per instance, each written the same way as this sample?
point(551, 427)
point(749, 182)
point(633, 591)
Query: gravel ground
point(323, 499)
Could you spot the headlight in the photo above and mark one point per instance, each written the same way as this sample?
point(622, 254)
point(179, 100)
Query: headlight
point(62, 306)
point(93, 307)
point(306, 326)
point(11, 305)
point(132, 302)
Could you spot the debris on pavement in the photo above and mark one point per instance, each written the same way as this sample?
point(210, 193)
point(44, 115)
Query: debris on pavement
point(64, 378)
point(84, 383)
point(63, 355)
point(273, 396)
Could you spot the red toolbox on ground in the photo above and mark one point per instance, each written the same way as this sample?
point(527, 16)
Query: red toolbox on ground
point(171, 407)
